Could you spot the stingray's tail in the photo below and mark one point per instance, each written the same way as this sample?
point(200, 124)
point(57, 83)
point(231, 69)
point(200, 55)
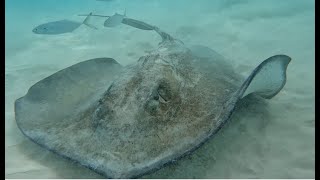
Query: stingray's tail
point(267, 79)
point(86, 21)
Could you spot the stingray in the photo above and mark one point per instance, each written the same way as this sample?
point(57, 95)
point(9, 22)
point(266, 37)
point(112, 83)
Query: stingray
point(127, 121)
point(61, 26)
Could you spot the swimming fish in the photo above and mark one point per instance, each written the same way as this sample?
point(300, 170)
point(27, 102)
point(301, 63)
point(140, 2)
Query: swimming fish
point(128, 21)
point(61, 27)
point(137, 24)
point(114, 20)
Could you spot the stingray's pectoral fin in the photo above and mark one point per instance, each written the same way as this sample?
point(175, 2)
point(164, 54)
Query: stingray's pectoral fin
point(53, 102)
point(268, 78)
point(86, 21)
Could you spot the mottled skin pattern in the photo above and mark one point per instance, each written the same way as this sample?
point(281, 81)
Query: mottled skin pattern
point(159, 108)
point(155, 110)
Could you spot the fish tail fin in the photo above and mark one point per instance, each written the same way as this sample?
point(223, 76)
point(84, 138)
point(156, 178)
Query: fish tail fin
point(125, 12)
point(86, 21)
point(267, 79)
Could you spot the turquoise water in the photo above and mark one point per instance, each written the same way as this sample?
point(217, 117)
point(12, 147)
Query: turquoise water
point(277, 142)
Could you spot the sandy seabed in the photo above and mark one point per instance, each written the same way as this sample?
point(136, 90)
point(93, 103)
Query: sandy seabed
point(274, 139)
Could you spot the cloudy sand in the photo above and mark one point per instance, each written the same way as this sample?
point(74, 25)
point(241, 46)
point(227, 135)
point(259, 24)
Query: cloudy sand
point(267, 139)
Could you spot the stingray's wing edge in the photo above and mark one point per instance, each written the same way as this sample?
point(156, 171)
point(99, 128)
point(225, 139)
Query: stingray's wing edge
point(267, 79)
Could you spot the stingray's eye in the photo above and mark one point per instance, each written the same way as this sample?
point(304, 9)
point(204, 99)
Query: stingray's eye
point(164, 92)
point(156, 97)
point(161, 97)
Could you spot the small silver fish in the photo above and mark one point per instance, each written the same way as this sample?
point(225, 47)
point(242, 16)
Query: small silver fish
point(137, 24)
point(61, 27)
point(128, 21)
point(114, 20)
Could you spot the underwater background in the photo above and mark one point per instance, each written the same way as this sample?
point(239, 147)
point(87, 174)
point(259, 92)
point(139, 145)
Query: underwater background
point(273, 139)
